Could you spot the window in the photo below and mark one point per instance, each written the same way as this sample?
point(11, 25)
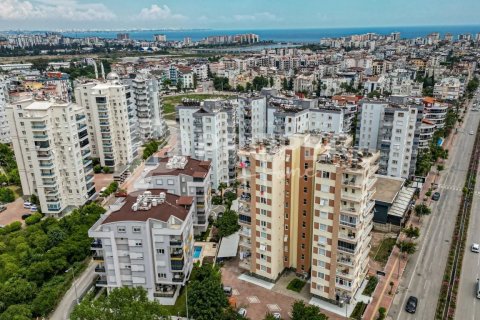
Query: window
point(303, 235)
point(162, 275)
point(304, 201)
point(170, 182)
point(323, 215)
point(305, 189)
point(138, 243)
point(322, 251)
point(303, 246)
point(159, 182)
point(323, 227)
point(323, 202)
point(161, 251)
point(302, 257)
point(286, 227)
point(322, 264)
point(304, 224)
point(263, 200)
point(121, 229)
point(321, 275)
point(322, 240)
point(325, 188)
point(326, 175)
point(263, 212)
point(305, 177)
point(306, 165)
point(304, 213)
point(263, 268)
point(263, 257)
point(136, 229)
point(263, 235)
point(263, 224)
point(263, 176)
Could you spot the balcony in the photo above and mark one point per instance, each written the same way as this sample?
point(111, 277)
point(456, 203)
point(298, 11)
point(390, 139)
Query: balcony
point(46, 164)
point(176, 254)
point(100, 269)
point(44, 155)
point(347, 249)
point(96, 244)
point(352, 197)
point(176, 242)
point(80, 117)
point(349, 236)
point(345, 261)
point(348, 210)
point(101, 282)
point(98, 256)
point(104, 123)
point(177, 265)
point(178, 277)
point(346, 273)
point(47, 174)
point(39, 126)
point(245, 263)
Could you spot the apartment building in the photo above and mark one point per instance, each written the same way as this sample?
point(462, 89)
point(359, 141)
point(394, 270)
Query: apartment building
point(4, 127)
point(252, 120)
point(149, 113)
point(146, 240)
point(305, 205)
point(182, 176)
point(207, 132)
point(111, 117)
point(183, 74)
point(435, 112)
point(392, 129)
point(448, 89)
point(52, 149)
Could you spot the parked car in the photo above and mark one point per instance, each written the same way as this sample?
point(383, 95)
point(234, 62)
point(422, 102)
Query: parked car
point(26, 215)
point(412, 303)
point(2, 208)
point(33, 208)
point(228, 291)
point(277, 315)
point(436, 196)
point(475, 248)
point(242, 312)
point(27, 205)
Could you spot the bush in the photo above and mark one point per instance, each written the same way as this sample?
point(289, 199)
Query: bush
point(381, 313)
point(296, 285)
point(6, 195)
point(370, 287)
point(357, 313)
point(97, 168)
point(34, 218)
point(149, 149)
point(112, 188)
point(12, 227)
point(106, 169)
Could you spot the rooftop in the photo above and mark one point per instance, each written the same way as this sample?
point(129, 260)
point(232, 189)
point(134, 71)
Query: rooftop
point(188, 166)
point(388, 188)
point(151, 204)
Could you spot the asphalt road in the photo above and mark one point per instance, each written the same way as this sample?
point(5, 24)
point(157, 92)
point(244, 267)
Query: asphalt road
point(468, 306)
point(424, 272)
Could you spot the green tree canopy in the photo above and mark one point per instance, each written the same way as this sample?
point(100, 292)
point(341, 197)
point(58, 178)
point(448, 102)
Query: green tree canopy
point(301, 311)
point(407, 247)
point(120, 304)
point(227, 224)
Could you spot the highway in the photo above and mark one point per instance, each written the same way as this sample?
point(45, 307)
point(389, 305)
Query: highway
point(468, 306)
point(424, 272)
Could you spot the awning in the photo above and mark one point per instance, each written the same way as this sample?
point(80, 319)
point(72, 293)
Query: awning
point(229, 246)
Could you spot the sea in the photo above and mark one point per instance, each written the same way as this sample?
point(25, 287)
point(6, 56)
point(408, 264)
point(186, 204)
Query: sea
point(312, 35)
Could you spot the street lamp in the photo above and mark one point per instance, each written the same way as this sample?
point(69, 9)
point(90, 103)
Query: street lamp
point(74, 283)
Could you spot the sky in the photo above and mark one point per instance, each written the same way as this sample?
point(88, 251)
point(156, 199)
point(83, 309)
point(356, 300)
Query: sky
point(232, 14)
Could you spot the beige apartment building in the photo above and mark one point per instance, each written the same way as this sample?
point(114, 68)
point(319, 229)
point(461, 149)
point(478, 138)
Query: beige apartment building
point(305, 204)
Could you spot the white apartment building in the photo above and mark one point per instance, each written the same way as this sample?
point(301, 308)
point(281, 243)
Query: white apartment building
point(448, 89)
point(145, 92)
point(52, 149)
point(208, 133)
point(252, 120)
point(111, 117)
point(4, 127)
point(391, 129)
point(182, 176)
point(307, 206)
point(146, 240)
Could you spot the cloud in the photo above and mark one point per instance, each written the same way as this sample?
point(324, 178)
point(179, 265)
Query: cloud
point(159, 12)
point(54, 9)
point(256, 17)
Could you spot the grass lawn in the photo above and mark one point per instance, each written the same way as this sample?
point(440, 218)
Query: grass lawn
point(296, 285)
point(170, 102)
point(180, 307)
point(17, 190)
point(358, 311)
point(370, 287)
point(382, 253)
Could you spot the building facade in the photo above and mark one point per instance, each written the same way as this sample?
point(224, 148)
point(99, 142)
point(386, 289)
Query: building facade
point(4, 127)
point(52, 149)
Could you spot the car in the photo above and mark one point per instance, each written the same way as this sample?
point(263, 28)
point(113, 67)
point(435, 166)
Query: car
point(411, 306)
point(242, 312)
point(27, 205)
point(2, 208)
point(33, 208)
point(471, 133)
point(228, 291)
point(26, 215)
point(475, 248)
point(277, 315)
point(436, 196)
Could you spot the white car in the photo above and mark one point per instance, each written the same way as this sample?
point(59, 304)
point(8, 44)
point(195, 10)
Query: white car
point(242, 312)
point(277, 315)
point(27, 205)
point(475, 248)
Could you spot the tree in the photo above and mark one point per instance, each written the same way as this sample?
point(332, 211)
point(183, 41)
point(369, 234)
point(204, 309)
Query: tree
point(227, 224)
point(381, 313)
point(17, 312)
point(97, 168)
point(121, 304)
point(206, 299)
point(195, 81)
point(7, 195)
point(290, 84)
point(270, 82)
point(221, 187)
point(179, 85)
point(248, 87)
point(411, 232)
point(407, 247)
point(221, 84)
point(240, 88)
point(285, 84)
point(106, 169)
point(300, 311)
point(422, 210)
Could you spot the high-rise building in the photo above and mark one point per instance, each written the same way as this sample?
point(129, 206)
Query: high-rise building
point(147, 241)
point(145, 92)
point(182, 176)
point(4, 127)
point(305, 204)
point(51, 145)
point(111, 116)
point(159, 38)
point(207, 132)
point(391, 129)
point(252, 120)
point(123, 36)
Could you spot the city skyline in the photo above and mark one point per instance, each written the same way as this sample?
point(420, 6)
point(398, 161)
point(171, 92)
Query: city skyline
point(212, 14)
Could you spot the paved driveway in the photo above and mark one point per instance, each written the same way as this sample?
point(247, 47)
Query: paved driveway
point(13, 213)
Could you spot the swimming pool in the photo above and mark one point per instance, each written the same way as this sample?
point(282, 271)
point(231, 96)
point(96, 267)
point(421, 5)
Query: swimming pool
point(197, 251)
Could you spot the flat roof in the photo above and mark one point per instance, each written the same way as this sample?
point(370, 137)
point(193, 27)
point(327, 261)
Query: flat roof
point(229, 246)
point(387, 188)
point(39, 105)
point(402, 202)
point(193, 167)
point(173, 206)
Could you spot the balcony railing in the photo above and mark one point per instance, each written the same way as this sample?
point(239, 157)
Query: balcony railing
point(100, 269)
point(176, 242)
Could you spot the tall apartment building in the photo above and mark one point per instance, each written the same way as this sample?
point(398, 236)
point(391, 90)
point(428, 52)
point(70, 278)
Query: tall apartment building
point(145, 92)
point(391, 129)
point(4, 127)
point(182, 176)
point(146, 240)
point(111, 117)
point(305, 205)
point(207, 132)
point(435, 112)
point(52, 149)
point(252, 120)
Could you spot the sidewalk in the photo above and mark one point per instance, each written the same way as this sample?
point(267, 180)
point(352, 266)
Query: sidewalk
point(381, 297)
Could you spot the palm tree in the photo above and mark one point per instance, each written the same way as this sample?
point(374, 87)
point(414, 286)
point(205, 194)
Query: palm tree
point(221, 187)
point(422, 210)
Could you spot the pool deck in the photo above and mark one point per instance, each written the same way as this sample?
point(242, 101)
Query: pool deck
point(209, 249)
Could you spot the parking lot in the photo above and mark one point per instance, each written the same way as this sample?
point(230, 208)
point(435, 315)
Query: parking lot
point(13, 213)
point(257, 300)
